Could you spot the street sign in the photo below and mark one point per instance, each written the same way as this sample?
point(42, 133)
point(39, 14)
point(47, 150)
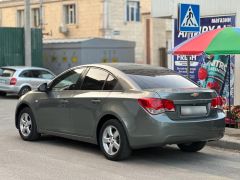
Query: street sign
point(189, 17)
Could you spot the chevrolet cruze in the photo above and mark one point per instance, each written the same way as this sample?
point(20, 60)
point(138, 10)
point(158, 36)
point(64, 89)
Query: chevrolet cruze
point(122, 107)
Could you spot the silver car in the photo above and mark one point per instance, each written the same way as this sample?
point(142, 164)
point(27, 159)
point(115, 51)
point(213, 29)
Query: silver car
point(122, 107)
point(21, 79)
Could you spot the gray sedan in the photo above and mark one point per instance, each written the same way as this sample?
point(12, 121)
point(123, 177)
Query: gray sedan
point(22, 79)
point(122, 107)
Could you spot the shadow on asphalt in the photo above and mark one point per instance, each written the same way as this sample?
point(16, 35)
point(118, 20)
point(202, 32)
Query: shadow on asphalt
point(10, 97)
point(164, 157)
point(165, 154)
point(63, 142)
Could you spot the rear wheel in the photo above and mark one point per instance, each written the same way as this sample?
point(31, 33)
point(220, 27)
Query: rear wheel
point(24, 90)
point(192, 147)
point(113, 141)
point(27, 125)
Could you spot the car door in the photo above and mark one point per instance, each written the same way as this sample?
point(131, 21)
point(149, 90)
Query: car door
point(54, 107)
point(87, 103)
point(25, 78)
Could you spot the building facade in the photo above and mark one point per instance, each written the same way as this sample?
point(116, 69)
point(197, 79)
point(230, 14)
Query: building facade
point(117, 19)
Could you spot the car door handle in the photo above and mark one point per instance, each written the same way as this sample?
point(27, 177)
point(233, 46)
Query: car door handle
point(64, 101)
point(95, 101)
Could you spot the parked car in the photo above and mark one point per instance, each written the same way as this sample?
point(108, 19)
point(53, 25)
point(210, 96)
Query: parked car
point(21, 79)
point(122, 107)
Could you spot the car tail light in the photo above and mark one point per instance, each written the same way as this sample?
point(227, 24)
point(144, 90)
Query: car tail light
point(13, 81)
point(156, 105)
point(217, 102)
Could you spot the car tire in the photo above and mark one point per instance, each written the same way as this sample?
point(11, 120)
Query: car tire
point(113, 141)
point(24, 90)
point(192, 147)
point(27, 126)
point(3, 93)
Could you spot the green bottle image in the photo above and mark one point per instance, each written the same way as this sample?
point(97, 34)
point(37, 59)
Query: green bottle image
point(212, 73)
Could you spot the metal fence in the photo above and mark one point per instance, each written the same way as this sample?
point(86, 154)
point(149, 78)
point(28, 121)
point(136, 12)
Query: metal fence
point(12, 46)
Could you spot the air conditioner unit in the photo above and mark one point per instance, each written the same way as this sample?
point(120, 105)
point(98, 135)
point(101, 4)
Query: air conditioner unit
point(63, 29)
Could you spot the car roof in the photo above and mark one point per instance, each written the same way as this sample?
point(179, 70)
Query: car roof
point(132, 67)
point(129, 66)
point(23, 67)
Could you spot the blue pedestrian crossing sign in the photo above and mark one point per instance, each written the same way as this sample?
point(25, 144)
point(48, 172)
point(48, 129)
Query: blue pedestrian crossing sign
point(189, 17)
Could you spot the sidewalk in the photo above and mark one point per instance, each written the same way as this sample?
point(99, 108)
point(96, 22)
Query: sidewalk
point(231, 140)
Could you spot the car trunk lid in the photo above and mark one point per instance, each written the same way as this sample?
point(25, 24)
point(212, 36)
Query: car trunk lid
point(189, 102)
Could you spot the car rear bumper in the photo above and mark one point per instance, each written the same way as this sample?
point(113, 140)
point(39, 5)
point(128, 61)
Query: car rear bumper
point(9, 88)
point(163, 131)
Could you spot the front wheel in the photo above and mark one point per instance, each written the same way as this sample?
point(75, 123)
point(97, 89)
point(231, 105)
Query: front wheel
point(113, 141)
point(27, 125)
point(192, 147)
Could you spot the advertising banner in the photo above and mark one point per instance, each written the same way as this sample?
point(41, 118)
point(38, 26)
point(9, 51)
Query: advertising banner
point(208, 71)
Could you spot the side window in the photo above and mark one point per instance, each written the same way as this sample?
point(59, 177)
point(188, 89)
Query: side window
point(26, 74)
point(36, 73)
point(112, 84)
point(45, 75)
point(68, 81)
point(95, 79)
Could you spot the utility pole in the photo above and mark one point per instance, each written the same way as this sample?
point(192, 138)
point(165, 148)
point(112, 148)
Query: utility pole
point(27, 34)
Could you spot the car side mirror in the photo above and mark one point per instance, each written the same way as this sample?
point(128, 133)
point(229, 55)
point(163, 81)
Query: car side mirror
point(43, 87)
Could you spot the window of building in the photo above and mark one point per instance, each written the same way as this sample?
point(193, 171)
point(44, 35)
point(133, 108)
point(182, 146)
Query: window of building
point(20, 18)
point(70, 13)
point(36, 17)
point(133, 11)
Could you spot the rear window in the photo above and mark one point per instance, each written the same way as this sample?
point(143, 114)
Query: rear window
point(151, 79)
point(6, 72)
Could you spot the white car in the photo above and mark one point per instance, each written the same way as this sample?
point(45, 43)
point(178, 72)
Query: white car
point(22, 79)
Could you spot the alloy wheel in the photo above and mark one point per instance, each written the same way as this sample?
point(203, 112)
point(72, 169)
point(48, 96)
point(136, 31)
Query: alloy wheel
point(111, 140)
point(25, 124)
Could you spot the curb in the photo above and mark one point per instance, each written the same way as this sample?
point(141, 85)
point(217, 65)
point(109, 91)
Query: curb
point(226, 142)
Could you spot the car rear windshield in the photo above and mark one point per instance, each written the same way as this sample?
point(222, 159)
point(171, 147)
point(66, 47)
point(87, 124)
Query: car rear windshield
point(151, 79)
point(4, 72)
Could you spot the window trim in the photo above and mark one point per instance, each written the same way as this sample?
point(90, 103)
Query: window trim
point(21, 74)
point(51, 84)
point(41, 70)
point(20, 21)
point(102, 90)
point(137, 10)
point(66, 14)
point(33, 10)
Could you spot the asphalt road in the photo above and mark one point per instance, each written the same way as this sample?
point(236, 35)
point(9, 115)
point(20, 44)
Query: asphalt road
point(58, 158)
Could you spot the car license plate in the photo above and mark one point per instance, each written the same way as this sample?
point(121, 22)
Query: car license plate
point(2, 81)
point(193, 110)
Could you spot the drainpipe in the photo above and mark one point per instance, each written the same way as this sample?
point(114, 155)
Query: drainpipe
point(41, 14)
point(106, 24)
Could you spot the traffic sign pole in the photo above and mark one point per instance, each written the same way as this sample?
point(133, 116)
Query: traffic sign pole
point(188, 66)
point(189, 21)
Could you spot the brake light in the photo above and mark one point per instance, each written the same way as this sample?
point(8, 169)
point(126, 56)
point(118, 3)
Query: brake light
point(13, 81)
point(217, 103)
point(156, 106)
